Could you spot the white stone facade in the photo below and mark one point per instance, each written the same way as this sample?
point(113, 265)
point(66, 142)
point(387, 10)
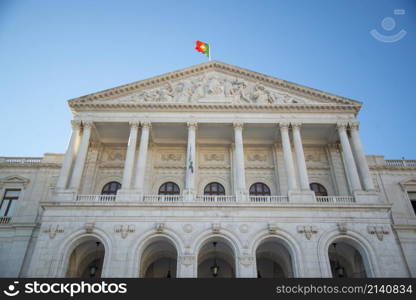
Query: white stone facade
point(210, 123)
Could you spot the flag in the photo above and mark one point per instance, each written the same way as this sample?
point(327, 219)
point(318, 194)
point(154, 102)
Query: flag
point(202, 47)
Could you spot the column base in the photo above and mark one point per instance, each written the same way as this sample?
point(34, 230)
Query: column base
point(129, 195)
point(64, 195)
point(301, 197)
point(367, 197)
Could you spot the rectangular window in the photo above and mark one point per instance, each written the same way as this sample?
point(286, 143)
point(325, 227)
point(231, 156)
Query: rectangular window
point(9, 203)
point(412, 197)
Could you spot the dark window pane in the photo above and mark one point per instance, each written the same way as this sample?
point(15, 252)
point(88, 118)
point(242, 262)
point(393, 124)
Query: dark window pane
point(169, 188)
point(319, 189)
point(214, 188)
point(111, 188)
point(259, 189)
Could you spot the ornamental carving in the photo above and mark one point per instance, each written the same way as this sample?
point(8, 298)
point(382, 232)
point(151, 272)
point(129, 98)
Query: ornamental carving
point(214, 87)
point(307, 230)
point(214, 157)
point(246, 260)
point(171, 157)
point(124, 230)
point(53, 230)
point(261, 157)
point(187, 260)
point(89, 227)
point(379, 231)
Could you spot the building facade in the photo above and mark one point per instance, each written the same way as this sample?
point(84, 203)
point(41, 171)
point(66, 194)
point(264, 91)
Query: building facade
point(209, 171)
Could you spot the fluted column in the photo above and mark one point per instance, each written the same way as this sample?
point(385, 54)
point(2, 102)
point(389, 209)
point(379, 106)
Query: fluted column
point(349, 158)
point(81, 156)
point(300, 157)
point(287, 154)
point(131, 151)
point(142, 157)
point(190, 159)
point(239, 158)
point(69, 156)
point(360, 158)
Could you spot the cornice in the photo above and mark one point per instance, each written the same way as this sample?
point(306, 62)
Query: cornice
point(181, 107)
point(392, 168)
point(214, 66)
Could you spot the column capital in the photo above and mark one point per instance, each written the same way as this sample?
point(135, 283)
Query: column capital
point(87, 124)
point(296, 125)
point(284, 125)
point(134, 124)
point(146, 124)
point(354, 125)
point(342, 126)
point(238, 125)
point(192, 124)
point(75, 124)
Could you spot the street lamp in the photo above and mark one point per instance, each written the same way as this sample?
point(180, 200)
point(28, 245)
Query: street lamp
point(215, 267)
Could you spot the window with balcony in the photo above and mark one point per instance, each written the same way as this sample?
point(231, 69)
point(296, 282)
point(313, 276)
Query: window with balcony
point(412, 198)
point(214, 189)
point(169, 188)
point(318, 189)
point(259, 189)
point(111, 188)
point(9, 202)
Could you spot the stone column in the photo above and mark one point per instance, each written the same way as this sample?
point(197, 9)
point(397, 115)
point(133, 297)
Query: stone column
point(349, 158)
point(131, 151)
point(287, 154)
point(81, 156)
point(142, 157)
point(190, 160)
point(239, 159)
point(360, 158)
point(300, 157)
point(186, 266)
point(69, 156)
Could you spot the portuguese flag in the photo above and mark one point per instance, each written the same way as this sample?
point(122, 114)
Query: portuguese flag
point(203, 48)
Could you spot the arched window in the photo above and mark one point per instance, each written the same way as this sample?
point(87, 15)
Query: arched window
point(259, 189)
point(169, 188)
point(214, 188)
point(319, 189)
point(111, 188)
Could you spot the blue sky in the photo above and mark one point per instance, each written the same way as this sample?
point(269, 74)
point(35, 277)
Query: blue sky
point(52, 51)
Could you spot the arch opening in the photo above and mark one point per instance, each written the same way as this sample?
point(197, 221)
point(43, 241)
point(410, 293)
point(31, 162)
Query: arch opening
point(273, 259)
point(86, 260)
point(346, 261)
point(216, 259)
point(159, 259)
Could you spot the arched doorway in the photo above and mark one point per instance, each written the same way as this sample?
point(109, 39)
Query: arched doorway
point(86, 260)
point(159, 259)
point(216, 259)
point(346, 260)
point(273, 259)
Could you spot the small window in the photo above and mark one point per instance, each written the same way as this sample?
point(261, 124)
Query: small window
point(9, 203)
point(412, 197)
point(319, 189)
point(111, 188)
point(169, 188)
point(214, 188)
point(259, 189)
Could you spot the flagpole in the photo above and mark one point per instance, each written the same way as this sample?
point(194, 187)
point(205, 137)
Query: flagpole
point(209, 52)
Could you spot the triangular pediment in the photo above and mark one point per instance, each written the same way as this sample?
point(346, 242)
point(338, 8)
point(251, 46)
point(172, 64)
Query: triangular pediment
point(213, 83)
point(16, 179)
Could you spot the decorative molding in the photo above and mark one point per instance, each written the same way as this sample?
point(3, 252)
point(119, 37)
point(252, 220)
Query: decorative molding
point(89, 227)
point(238, 125)
point(187, 259)
point(124, 230)
point(216, 228)
point(342, 228)
point(246, 260)
point(244, 228)
point(257, 156)
point(379, 231)
point(16, 179)
point(160, 227)
point(53, 230)
point(146, 124)
point(272, 227)
point(308, 230)
point(188, 228)
point(171, 156)
point(75, 124)
point(214, 156)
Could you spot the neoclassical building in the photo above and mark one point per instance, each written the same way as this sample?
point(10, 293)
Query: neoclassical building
point(209, 171)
